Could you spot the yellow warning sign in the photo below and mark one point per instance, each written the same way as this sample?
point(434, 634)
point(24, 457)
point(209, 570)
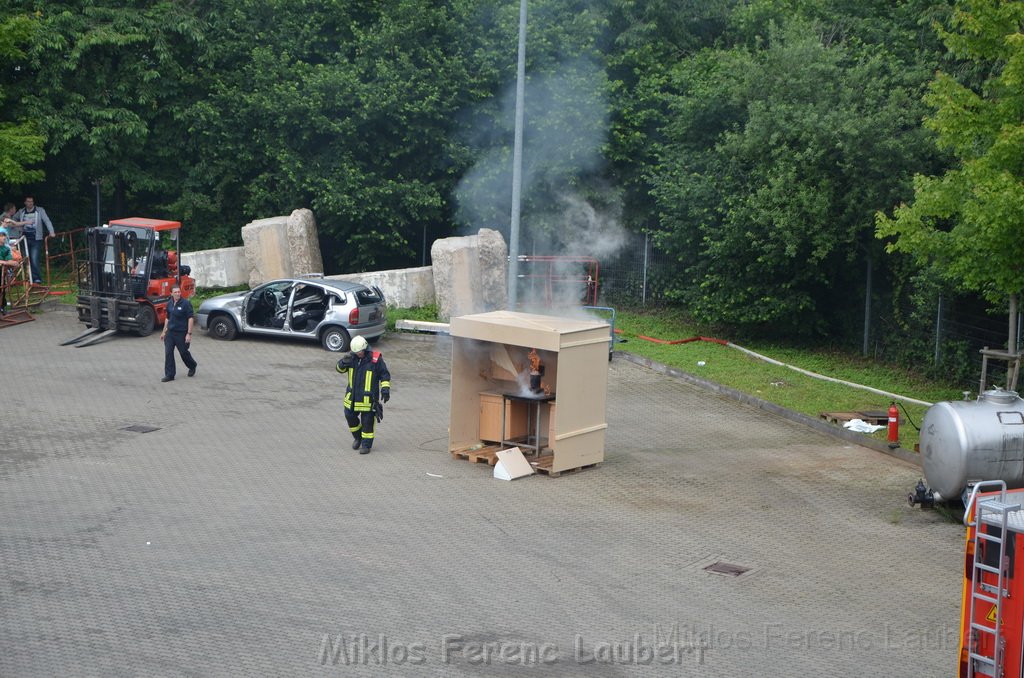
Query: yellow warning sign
point(991, 616)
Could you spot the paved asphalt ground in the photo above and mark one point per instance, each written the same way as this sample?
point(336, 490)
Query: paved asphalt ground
point(244, 537)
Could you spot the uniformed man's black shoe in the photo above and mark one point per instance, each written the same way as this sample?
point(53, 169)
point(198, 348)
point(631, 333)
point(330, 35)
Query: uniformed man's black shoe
point(365, 450)
point(192, 371)
point(356, 443)
point(167, 379)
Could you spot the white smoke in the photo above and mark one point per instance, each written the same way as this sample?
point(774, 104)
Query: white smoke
point(566, 211)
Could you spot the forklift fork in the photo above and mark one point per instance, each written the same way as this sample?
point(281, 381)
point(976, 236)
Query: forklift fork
point(105, 329)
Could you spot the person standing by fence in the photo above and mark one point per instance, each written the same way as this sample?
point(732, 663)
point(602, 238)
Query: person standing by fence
point(8, 264)
point(32, 219)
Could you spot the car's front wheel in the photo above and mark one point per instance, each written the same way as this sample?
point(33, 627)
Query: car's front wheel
point(335, 339)
point(222, 327)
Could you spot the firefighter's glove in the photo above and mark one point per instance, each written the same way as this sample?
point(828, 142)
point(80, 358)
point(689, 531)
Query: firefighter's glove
point(346, 363)
point(385, 394)
point(378, 412)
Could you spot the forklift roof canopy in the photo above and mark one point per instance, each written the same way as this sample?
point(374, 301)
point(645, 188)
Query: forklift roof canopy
point(143, 222)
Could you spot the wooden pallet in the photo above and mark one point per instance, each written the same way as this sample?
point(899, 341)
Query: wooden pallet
point(478, 455)
point(543, 464)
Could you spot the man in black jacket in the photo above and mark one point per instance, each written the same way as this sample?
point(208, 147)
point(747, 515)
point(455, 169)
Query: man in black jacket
point(369, 385)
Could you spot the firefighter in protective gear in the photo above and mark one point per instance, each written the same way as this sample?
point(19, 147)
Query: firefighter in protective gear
point(368, 388)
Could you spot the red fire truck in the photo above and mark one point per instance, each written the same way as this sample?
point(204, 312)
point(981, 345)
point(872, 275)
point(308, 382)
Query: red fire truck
point(992, 606)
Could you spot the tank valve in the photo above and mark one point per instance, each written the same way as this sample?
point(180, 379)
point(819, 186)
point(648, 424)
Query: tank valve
point(921, 495)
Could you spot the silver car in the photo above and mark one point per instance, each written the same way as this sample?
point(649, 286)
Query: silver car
point(328, 311)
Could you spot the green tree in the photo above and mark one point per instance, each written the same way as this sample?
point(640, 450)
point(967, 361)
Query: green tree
point(345, 108)
point(966, 223)
point(647, 41)
point(21, 142)
point(106, 84)
point(776, 156)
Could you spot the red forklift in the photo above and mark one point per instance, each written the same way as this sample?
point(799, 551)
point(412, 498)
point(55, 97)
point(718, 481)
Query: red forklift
point(131, 266)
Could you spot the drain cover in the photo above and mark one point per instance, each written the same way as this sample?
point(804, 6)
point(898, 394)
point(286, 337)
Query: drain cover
point(727, 568)
point(141, 428)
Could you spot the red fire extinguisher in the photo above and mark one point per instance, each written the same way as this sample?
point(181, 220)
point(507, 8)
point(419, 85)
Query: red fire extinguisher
point(894, 425)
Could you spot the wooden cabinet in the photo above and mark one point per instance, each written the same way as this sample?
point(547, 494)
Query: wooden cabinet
point(490, 418)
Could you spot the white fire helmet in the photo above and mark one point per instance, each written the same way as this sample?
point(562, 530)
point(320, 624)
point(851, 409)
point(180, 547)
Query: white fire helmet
point(358, 344)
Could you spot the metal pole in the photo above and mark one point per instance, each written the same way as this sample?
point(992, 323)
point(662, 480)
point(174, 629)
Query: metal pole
point(96, 183)
point(1011, 342)
point(938, 331)
point(423, 262)
point(643, 290)
point(867, 308)
point(517, 165)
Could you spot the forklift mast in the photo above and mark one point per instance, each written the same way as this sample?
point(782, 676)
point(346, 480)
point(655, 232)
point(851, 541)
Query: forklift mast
point(112, 254)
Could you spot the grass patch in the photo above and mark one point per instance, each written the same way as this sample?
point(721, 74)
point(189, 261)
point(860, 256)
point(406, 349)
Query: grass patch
point(422, 313)
point(782, 385)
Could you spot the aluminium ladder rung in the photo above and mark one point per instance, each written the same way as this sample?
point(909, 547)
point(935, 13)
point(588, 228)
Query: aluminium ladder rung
point(990, 537)
point(987, 568)
point(981, 627)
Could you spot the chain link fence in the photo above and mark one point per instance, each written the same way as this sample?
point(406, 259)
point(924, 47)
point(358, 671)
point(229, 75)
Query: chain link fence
point(944, 339)
point(636, 275)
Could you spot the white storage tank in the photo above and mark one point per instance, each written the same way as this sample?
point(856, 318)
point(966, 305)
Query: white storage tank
point(966, 441)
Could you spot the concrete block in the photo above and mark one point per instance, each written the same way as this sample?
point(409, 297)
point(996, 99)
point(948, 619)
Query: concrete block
point(493, 253)
point(304, 243)
point(225, 267)
point(470, 273)
point(282, 247)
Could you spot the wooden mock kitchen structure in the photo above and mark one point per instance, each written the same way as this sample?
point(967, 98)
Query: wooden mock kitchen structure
point(558, 420)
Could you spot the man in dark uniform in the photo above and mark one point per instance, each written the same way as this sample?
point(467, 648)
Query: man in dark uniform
point(369, 385)
point(178, 334)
